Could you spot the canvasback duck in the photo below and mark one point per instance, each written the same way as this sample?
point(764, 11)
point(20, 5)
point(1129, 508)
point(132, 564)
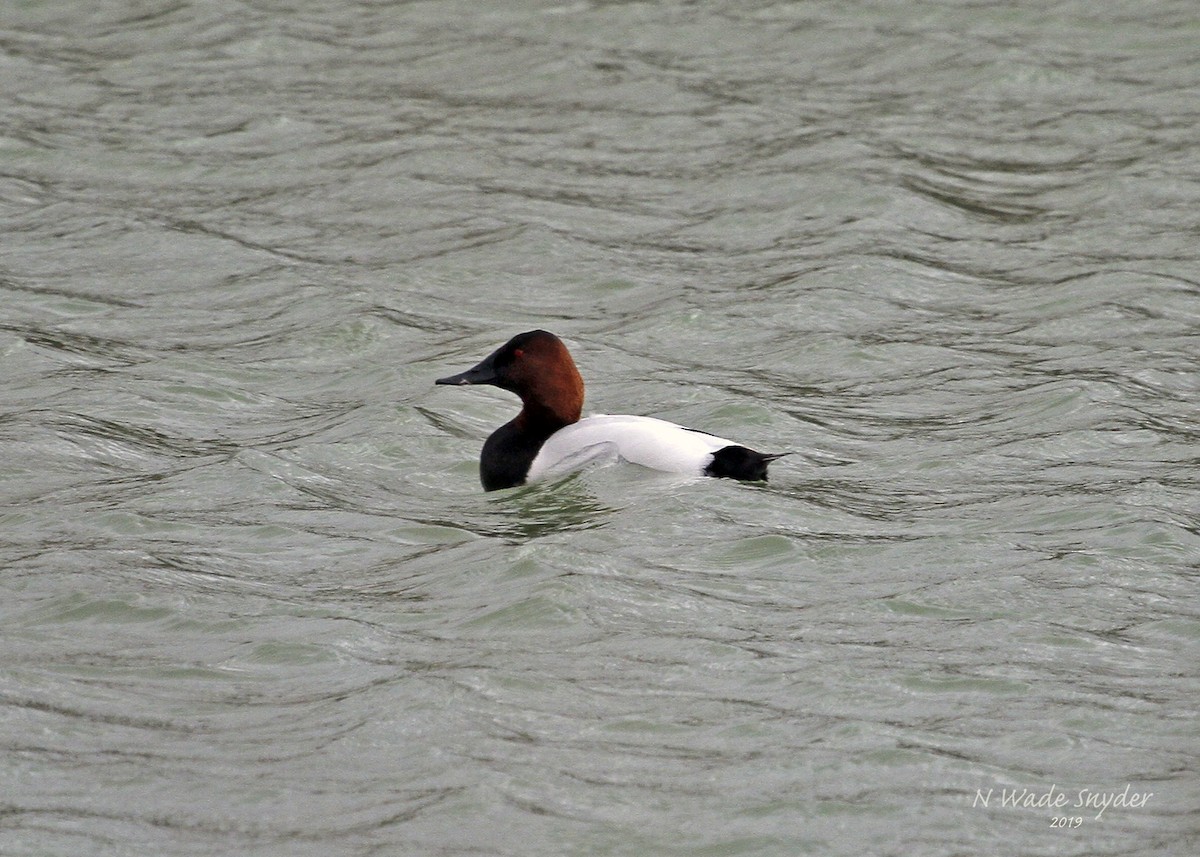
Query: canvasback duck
point(548, 437)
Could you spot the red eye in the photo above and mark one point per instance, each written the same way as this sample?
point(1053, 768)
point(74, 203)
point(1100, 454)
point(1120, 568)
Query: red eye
point(518, 353)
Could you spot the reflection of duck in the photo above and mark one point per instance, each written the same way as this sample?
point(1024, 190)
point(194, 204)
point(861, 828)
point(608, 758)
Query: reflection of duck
point(548, 437)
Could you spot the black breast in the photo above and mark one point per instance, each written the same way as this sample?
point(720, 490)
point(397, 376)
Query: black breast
point(507, 455)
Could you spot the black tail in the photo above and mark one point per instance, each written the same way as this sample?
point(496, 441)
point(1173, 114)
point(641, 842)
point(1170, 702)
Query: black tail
point(738, 462)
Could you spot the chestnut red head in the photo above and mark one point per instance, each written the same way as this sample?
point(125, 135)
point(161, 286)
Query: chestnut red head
point(537, 367)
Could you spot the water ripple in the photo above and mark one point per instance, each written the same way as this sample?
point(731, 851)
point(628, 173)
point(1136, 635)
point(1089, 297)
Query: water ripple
point(945, 257)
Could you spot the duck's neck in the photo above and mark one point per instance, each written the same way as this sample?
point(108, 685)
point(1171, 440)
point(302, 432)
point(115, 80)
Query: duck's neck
point(557, 401)
point(541, 418)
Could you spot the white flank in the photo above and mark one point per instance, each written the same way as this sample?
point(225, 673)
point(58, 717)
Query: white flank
point(642, 440)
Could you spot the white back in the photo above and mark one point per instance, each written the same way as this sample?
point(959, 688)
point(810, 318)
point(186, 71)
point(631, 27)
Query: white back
point(646, 441)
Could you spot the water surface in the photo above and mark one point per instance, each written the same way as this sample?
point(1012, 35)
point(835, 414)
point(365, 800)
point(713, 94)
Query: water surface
point(255, 600)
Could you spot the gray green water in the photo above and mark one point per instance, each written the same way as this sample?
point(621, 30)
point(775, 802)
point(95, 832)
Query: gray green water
point(253, 600)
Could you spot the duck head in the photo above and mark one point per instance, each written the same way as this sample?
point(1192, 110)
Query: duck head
point(538, 368)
